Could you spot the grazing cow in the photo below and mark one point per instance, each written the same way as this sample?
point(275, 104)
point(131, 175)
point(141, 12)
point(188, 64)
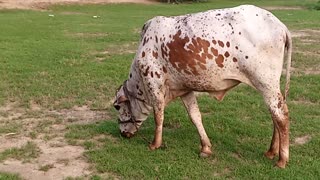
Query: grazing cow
point(212, 52)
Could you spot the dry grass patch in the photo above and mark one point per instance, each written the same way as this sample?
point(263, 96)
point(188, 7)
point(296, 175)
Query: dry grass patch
point(126, 48)
point(306, 51)
point(302, 140)
point(44, 4)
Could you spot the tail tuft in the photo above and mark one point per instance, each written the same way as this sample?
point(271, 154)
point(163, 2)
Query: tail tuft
point(288, 46)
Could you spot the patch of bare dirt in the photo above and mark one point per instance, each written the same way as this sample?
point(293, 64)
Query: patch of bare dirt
point(305, 32)
point(302, 101)
point(66, 161)
point(302, 39)
point(271, 8)
point(302, 140)
point(44, 4)
point(128, 48)
point(46, 129)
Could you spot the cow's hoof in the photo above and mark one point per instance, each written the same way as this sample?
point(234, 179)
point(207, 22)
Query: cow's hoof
point(204, 155)
point(281, 164)
point(270, 155)
point(205, 152)
point(154, 147)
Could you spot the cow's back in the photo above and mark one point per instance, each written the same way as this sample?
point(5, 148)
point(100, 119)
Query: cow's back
point(212, 50)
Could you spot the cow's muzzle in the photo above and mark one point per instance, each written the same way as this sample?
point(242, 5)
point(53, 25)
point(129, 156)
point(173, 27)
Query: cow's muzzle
point(127, 134)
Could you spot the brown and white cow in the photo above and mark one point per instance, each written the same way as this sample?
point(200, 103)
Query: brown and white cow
point(212, 52)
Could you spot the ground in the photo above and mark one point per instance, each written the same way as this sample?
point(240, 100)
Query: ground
point(63, 160)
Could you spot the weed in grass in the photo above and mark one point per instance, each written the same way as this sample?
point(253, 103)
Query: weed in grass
point(33, 135)
point(10, 127)
point(74, 178)
point(88, 145)
point(25, 153)
point(315, 6)
point(46, 167)
point(9, 176)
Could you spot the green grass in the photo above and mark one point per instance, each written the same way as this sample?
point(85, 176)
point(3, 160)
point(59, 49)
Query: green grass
point(74, 59)
point(8, 176)
point(25, 153)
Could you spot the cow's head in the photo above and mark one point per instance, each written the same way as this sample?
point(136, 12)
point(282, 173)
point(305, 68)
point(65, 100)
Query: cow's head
point(132, 111)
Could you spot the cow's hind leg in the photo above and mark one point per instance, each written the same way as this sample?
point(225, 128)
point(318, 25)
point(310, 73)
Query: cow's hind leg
point(191, 105)
point(280, 116)
point(274, 147)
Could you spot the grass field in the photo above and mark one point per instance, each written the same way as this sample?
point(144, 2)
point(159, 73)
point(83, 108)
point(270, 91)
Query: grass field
point(53, 66)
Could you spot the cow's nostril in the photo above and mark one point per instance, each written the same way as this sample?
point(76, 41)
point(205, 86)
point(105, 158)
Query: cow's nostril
point(126, 134)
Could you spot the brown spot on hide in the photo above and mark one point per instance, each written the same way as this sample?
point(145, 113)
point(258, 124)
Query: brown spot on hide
point(164, 69)
point(214, 42)
point(221, 43)
point(219, 60)
point(279, 104)
point(228, 44)
point(203, 67)
point(158, 75)
point(189, 58)
point(187, 72)
point(155, 54)
point(226, 54)
point(246, 57)
point(214, 51)
point(239, 33)
point(164, 51)
point(151, 74)
point(156, 39)
point(279, 100)
point(235, 59)
point(143, 54)
point(145, 41)
point(210, 56)
point(140, 93)
point(146, 72)
point(237, 47)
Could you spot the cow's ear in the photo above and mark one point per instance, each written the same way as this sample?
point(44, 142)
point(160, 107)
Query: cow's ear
point(122, 99)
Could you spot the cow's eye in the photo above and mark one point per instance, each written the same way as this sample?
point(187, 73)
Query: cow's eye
point(117, 107)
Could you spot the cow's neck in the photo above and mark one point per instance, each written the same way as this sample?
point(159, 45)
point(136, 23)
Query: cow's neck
point(138, 94)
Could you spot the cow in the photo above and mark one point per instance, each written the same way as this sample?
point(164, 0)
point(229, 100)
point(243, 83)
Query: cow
point(211, 51)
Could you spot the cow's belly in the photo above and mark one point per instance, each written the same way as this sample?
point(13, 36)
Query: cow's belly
point(207, 81)
point(211, 86)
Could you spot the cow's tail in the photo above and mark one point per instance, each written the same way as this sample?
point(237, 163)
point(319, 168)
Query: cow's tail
point(288, 50)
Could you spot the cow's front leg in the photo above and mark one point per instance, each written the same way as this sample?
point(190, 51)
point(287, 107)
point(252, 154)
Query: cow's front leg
point(158, 117)
point(191, 105)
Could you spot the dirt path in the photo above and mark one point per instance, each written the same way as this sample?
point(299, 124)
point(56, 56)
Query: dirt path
point(43, 4)
point(57, 159)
